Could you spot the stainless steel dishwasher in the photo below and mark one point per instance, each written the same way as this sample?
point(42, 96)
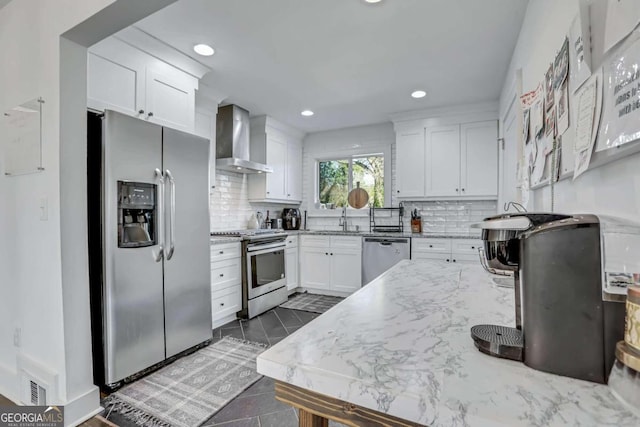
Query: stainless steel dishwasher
point(381, 253)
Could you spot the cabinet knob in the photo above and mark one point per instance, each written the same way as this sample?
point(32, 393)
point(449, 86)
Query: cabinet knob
point(463, 190)
point(456, 190)
point(288, 195)
point(326, 253)
point(221, 303)
point(221, 252)
point(150, 114)
point(447, 259)
point(140, 111)
point(397, 191)
point(454, 260)
point(268, 192)
point(473, 247)
point(331, 254)
point(430, 246)
point(221, 275)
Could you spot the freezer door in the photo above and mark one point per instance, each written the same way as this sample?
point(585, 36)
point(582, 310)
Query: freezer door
point(187, 270)
point(132, 295)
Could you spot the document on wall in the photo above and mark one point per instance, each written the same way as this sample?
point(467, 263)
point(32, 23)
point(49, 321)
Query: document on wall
point(579, 49)
point(561, 86)
point(621, 96)
point(622, 17)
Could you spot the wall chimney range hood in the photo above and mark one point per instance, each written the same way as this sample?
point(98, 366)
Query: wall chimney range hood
point(232, 142)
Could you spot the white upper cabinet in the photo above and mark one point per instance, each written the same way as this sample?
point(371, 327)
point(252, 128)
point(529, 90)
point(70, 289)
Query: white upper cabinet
point(479, 159)
point(452, 161)
point(125, 79)
point(279, 147)
point(442, 171)
point(410, 164)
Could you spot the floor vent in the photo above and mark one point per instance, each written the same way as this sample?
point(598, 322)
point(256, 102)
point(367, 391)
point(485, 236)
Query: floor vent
point(38, 394)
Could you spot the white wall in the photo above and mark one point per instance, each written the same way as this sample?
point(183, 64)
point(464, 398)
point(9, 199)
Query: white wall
point(612, 189)
point(43, 280)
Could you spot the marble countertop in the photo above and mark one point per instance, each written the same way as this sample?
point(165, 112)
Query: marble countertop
point(374, 234)
point(401, 346)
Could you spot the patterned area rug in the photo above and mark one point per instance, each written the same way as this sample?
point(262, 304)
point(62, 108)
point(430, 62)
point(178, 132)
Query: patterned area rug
point(311, 302)
point(190, 390)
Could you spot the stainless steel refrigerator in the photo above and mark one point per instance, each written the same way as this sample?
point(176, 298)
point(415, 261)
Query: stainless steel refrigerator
point(148, 207)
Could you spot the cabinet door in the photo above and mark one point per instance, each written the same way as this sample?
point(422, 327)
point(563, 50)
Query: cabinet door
point(443, 161)
point(479, 159)
point(294, 171)
point(291, 270)
point(113, 86)
point(315, 268)
point(410, 164)
point(277, 159)
point(170, 101)
point(346, 270)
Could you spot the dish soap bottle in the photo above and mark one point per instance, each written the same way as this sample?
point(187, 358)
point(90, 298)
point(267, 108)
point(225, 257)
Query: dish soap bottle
point(253, 222)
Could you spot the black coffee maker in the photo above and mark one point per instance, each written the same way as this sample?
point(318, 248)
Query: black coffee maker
point(291, 218)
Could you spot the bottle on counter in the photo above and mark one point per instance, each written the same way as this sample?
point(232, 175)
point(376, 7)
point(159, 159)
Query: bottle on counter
point(267, 221)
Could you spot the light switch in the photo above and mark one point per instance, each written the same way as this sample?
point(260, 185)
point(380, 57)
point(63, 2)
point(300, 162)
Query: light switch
point(44, 209)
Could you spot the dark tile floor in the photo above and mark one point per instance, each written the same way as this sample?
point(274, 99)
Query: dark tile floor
point(257, 405)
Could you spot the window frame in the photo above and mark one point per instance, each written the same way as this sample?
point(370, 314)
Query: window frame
point(382, 150)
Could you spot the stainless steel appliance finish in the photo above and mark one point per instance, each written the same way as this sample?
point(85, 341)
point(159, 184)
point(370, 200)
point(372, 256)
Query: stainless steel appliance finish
point(232, 142)
point(263, 276)
point(291, 218)
point(568, 327)
point(155, 299)
point(381, 253)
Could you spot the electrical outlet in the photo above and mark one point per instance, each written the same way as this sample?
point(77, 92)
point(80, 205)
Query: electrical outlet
point(17, 337)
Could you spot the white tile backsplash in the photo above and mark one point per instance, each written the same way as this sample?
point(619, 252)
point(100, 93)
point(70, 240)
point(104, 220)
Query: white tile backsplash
point(229, 204)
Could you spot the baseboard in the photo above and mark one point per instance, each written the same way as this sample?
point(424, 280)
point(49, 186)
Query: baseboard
point(82, 407)
point(9, 383)
point(324, 292)
point(224, 320)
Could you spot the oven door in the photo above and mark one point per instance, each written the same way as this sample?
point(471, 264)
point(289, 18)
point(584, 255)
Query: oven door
point(265, 269)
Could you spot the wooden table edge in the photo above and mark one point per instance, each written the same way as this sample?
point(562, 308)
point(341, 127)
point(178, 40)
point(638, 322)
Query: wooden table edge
point(315, 409)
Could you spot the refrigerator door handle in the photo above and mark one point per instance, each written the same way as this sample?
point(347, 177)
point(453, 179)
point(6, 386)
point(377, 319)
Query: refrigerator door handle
point(157, 256)
point(172, 213)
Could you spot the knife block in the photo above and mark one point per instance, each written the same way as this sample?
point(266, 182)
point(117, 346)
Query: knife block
point(416, 225)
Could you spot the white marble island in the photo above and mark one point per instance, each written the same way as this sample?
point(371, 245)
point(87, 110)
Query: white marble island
point(401, 346)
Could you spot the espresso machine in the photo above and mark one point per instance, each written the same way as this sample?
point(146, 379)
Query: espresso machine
point(291, 219)
point(569, 295)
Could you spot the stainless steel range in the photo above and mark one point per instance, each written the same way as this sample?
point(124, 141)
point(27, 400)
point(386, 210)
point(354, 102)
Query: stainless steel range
point(264, 283)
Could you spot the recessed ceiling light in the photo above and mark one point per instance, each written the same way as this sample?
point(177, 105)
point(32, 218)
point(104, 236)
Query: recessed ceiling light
point(307, 113)
point(203, 49)
point(372, 1)
point(419, 94)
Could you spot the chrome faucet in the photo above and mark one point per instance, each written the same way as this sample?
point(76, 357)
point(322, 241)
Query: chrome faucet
point(343, 219)
point(518, 207)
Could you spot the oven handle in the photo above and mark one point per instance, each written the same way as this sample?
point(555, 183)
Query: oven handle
point(258, 249)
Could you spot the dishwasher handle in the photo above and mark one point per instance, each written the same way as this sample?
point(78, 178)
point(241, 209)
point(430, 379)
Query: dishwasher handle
point(386, 241)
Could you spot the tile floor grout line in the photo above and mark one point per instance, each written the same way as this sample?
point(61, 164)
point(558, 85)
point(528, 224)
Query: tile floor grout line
point(242, 329)
point(282, 323)
point(265, 330)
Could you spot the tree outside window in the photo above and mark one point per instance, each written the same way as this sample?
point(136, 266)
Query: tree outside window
point(338, 177)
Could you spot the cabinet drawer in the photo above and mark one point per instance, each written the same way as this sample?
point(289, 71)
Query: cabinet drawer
point(316, 241)
point(225, 251)
point(437, 256)
point(349, 242)
point(465, 246)
point(292, 241)
point(431, 245)
point(225, 273)
point(226, 302)
point(467, 258)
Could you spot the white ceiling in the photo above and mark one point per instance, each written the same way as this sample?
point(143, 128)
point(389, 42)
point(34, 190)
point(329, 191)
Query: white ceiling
point(3, 3)
point(350, 62)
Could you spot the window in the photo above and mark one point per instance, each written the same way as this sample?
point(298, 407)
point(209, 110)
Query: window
point(339, 176)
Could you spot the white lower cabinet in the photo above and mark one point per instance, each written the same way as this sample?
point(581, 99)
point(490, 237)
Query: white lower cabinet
point(226, 282)
point(444, 249)
point(331, 263)
point(291, 263)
